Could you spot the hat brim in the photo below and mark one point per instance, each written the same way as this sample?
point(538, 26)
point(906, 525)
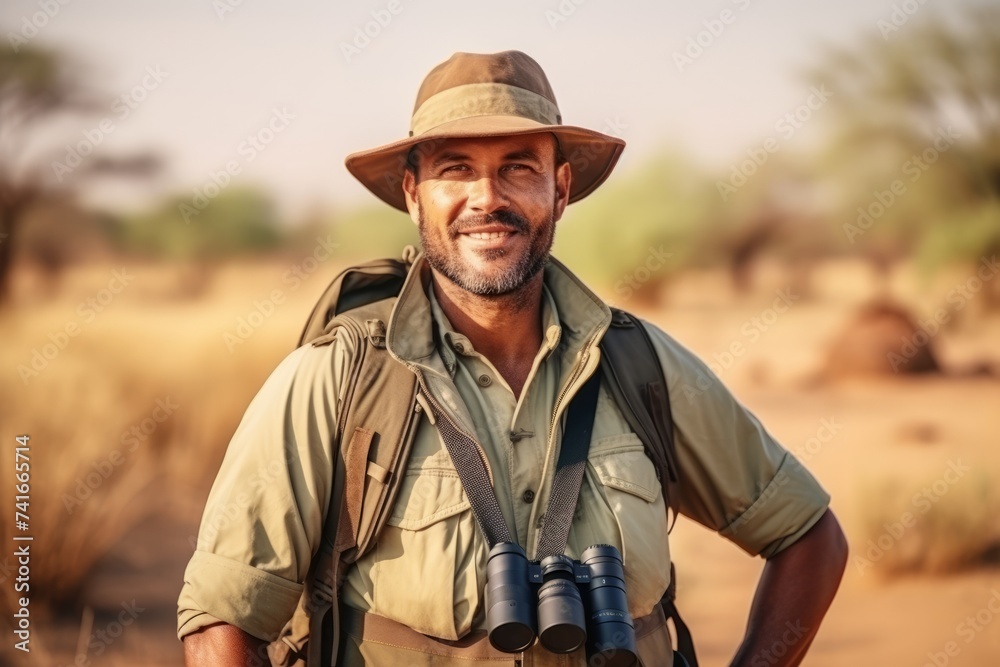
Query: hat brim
point(591, 155)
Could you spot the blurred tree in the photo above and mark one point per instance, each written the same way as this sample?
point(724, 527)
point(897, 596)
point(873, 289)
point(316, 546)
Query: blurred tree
point(196, 233)
point(373, 231)
point(37, 88)
point(637, 230)
point(919, 103)
point(239, 220)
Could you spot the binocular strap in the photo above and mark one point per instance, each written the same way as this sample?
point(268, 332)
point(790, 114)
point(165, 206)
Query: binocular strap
point(569, 470)
point(465, 455)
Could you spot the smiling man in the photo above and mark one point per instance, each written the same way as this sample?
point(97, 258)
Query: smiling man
point(501, 339)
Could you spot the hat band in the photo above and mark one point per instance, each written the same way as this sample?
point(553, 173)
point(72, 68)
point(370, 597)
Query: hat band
point(482, 99)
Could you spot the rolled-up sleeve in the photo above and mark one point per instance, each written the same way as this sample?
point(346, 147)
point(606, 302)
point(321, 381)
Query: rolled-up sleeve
point(265, 514)
point(735, 478)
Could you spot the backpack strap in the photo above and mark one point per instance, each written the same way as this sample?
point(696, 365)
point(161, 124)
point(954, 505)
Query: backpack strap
point(635, 380)
point(357, 286)
point(379, 413)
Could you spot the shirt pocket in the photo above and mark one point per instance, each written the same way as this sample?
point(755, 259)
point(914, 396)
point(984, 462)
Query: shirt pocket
point(426, 573)
point(625, 487)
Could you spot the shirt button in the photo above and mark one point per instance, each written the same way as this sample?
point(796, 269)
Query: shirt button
point(459, 348)
point(485, 380)
point(540, 521)
point(528, 496)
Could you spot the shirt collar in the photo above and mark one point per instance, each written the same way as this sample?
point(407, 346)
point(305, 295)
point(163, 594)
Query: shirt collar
point(451, 342)
point(571, 314)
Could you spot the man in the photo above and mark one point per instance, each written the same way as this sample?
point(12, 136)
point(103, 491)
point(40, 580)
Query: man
point(503, 335)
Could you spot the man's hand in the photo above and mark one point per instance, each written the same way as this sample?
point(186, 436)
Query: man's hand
point(795, 590)
point(226, 646)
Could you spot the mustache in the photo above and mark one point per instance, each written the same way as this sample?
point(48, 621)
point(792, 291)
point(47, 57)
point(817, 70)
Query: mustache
point(507, 218)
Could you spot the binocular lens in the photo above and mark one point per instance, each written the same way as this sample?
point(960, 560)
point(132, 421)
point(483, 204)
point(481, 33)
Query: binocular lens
point(563, 622)
point(510, 605)
point(612, 635)
point(561, 619)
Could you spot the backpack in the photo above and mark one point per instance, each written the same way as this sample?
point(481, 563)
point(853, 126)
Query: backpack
point(377, 425)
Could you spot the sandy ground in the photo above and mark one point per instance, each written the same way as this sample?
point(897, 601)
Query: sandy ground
point(896, 428)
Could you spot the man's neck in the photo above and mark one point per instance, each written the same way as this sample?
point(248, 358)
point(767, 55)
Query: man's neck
point(506, 329)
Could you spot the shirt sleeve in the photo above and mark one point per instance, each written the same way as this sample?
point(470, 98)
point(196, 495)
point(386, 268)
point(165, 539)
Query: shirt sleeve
point(265, 514)
point(735, 478)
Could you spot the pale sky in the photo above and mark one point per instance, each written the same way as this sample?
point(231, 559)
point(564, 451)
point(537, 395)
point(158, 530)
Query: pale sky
point(611, 65)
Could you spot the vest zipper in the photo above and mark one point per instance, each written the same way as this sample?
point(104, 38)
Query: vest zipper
point(444, 415)
point(569, 383)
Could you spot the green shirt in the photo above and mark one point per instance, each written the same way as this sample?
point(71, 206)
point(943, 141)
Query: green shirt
point(266, 511)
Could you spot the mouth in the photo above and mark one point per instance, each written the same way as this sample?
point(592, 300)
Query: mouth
point(488, 237)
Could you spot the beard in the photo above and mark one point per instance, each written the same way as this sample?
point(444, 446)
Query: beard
point(442, 252)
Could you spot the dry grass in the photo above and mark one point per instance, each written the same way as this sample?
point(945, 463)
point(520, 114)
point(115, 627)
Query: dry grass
point(936, 525)
point(93, 476)
point(152, 343)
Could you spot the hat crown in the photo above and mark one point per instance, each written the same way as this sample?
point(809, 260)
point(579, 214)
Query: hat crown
point(511, 68)
point(475, 95)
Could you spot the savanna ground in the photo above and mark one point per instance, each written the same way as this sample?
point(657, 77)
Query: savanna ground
point(117, 492)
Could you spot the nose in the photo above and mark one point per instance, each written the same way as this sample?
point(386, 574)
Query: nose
point(487, 195)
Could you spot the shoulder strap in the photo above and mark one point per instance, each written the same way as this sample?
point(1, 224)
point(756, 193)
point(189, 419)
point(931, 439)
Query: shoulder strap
point(377, 420)
point(357, 286)
point(636, 381)
point(376, 427)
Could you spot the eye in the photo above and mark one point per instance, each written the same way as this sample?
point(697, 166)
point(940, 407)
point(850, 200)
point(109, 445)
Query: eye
point(454, 168)
point(518, 167)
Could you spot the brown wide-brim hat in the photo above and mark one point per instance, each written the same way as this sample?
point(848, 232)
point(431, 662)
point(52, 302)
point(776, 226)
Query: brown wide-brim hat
point(486, 95)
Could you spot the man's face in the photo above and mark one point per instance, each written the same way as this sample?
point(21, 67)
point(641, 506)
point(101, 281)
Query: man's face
point(487, 208)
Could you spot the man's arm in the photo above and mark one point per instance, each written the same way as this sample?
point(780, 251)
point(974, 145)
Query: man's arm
point(265, 515)
point(225, 645)
point(795, 590)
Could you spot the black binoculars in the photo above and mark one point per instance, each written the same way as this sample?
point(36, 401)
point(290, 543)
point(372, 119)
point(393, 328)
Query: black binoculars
point(561, 601)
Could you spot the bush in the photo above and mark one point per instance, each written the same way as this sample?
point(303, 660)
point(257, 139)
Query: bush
point(237, 221)
point(939, 526)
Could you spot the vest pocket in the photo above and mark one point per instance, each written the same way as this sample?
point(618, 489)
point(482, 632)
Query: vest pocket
point(428, 496)
point(425, 570)
point(627, 480)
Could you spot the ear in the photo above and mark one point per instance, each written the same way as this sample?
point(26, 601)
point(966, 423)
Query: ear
point(410, 193)
point(564, 178)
